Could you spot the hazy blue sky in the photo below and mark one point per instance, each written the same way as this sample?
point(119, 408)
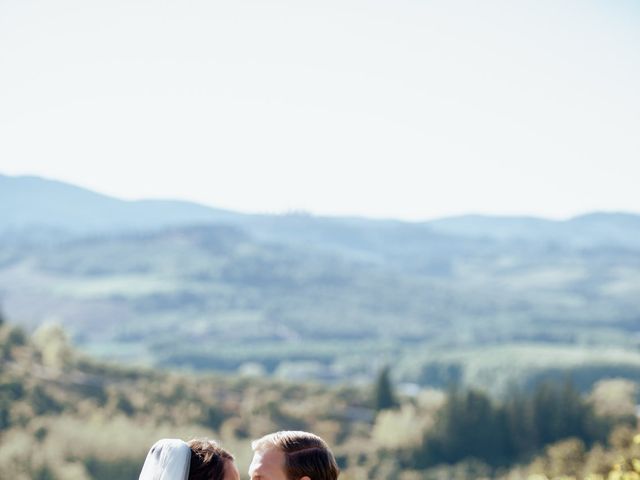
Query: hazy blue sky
point(397, 108)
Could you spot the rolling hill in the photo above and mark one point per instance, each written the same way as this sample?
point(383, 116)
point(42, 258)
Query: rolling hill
point(182, 285)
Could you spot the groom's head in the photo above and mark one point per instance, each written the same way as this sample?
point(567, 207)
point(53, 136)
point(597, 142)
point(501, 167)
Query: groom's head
point(291, 455)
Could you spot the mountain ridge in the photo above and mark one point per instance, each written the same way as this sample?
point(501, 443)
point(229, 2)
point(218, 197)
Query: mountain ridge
point(49, 185)
point(32, 202)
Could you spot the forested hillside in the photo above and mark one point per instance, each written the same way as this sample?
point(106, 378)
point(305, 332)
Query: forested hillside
point(471, 300)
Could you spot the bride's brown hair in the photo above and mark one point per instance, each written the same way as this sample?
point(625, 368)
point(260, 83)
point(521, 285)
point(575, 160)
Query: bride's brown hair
point(208, 460)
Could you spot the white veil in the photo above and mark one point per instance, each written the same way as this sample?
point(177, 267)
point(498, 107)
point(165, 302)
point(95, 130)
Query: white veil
point(168, 459)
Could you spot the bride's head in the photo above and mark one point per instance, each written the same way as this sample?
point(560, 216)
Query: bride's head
point(209, 461)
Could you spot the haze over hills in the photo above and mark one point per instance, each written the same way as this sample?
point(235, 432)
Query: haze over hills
point(474, 299)
point(33, 202)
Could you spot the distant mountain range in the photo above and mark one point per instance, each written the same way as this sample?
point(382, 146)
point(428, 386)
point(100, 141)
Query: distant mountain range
point(29, 203)
point(32, 202)
point(476, 299)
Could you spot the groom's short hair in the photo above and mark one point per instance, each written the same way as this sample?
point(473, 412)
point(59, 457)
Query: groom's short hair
point(305, 454)
point(208, 460)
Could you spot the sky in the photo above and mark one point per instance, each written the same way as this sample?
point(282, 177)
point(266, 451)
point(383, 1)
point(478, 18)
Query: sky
point(410, 109)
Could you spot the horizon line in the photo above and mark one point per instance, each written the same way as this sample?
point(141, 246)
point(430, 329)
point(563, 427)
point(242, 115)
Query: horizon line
point(326, 215)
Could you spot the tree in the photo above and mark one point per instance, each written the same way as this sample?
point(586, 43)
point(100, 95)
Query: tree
point(468, 425)
point(53, 344)
point(384, 396)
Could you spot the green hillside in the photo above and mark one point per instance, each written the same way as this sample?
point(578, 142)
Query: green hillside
point(475, 300)
point(216, 298)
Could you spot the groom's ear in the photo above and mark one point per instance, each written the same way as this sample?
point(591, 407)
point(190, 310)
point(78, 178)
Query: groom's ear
point(305, 478)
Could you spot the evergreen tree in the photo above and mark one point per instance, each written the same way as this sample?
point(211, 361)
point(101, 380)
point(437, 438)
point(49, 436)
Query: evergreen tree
point(521, 428)
point(384, 396)
point(468, 425)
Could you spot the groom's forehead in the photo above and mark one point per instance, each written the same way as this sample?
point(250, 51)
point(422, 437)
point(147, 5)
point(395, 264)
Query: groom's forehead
point(267, 461)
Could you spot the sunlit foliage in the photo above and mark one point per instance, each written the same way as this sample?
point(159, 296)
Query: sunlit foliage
point(64, 416)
